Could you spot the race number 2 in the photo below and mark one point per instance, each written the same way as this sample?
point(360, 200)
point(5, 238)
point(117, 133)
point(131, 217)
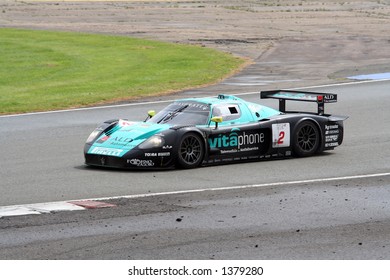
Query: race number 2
point(281, 135)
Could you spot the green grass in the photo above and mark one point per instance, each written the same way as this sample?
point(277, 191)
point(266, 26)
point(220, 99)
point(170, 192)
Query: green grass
point(44, 70)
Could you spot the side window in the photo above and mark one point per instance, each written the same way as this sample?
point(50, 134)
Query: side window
point(228, 112)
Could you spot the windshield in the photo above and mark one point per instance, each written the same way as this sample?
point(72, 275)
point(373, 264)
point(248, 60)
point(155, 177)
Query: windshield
point(183, 113)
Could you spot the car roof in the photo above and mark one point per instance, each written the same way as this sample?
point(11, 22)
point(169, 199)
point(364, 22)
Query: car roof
point(221, 99)
point(257, 111)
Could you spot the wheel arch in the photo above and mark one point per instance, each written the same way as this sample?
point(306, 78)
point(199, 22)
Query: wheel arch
point(200, 133)
point(318, 126)
point(196, 130)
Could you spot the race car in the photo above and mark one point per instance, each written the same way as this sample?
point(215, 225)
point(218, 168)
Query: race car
point(195, 132)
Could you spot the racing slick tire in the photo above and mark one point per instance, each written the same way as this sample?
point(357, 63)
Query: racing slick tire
point(191, 151)
point(306, 139)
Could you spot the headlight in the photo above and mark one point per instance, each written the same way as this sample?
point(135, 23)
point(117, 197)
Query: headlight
point(93, 135)
point(153, 142)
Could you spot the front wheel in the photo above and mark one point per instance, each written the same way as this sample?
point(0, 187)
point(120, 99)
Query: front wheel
point(306, 139)
point(191, 151)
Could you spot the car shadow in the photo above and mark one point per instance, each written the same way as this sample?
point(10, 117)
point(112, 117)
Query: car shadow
point(89, 168)
point(100, 169)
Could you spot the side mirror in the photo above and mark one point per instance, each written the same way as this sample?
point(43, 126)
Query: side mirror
point(151, 114)
point(217, 120)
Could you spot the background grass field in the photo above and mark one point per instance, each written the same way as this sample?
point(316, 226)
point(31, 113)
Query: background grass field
point(44, 70)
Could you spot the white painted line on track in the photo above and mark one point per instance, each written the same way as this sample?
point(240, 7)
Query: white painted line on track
point(253, 186)
point(109, 106)
point(88, 108)
point(343, 84)
point(172, 100)
point(37, 208)
point(40, 208)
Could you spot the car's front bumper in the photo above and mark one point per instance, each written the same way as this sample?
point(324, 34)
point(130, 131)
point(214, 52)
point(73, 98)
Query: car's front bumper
point(135, 159)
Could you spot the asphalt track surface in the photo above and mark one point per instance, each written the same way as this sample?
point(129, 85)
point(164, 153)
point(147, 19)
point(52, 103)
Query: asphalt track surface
point(346, 218)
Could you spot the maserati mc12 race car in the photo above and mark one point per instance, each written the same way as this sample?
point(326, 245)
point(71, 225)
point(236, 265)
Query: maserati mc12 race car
point(215, 130)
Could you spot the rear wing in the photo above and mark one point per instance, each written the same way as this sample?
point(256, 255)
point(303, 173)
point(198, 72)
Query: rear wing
point(283, 95)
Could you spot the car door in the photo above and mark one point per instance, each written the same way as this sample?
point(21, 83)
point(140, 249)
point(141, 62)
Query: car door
point(238, 136)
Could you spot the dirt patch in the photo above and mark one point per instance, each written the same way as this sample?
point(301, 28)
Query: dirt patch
point(292, 43)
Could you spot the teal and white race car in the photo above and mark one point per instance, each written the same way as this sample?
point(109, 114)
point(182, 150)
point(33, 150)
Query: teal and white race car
point(216, 130)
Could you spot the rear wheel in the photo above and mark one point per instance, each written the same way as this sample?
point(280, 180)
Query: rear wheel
point(191, 151)
point(306, 139)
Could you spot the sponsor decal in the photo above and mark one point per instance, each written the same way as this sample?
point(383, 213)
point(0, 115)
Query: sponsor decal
point(199, 106)
point(281, 135)
point(249, 149)
point(296, 96)
point(106, 151)
point(121, 141)
point(124, 123)
point(328, 127)
point(331, 138)
point(330, 132)
point(140, 162)
point(329, 98)
point(163, 154)
point(166, 147)
point(237, 141)
point(331, 135)
point(103, 139)
point(229, 151)
point(329, 145)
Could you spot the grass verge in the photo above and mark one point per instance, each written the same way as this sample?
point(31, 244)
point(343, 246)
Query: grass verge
point(45, 70)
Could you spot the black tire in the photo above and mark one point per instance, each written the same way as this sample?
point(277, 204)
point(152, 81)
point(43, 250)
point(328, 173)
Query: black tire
point(306, 139)
point(191, 151)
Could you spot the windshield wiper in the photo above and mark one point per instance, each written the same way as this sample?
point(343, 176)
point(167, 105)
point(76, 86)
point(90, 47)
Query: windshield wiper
point(173, 114)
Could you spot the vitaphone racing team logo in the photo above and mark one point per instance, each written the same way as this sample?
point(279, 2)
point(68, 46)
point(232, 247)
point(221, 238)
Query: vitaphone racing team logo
point(238, 141)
